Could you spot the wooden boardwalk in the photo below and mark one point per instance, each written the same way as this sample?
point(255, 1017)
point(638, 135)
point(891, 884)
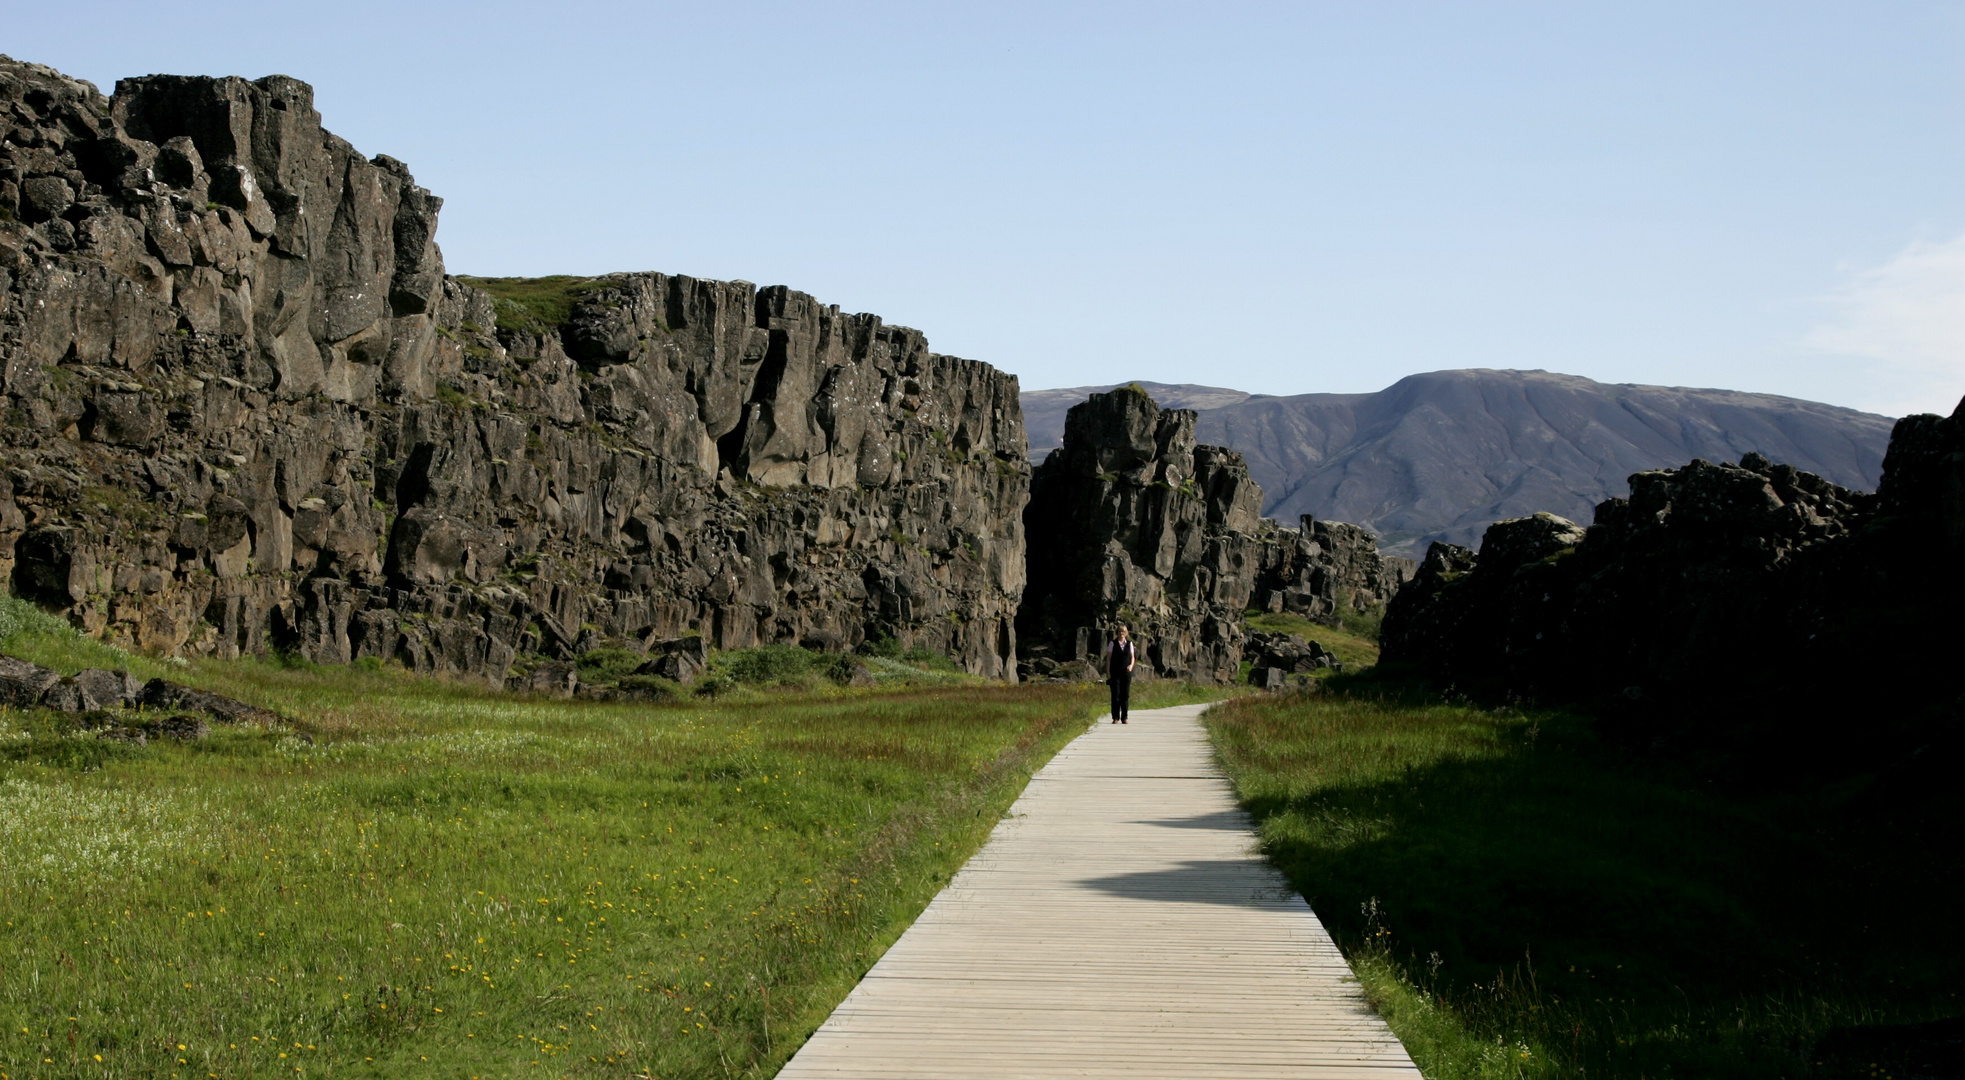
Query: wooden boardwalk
point(1117, 924)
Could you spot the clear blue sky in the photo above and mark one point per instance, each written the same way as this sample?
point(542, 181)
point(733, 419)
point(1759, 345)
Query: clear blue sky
point(1283, 198)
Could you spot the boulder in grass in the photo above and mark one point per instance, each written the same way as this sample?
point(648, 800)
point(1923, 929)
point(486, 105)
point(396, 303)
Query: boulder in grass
point(22, 684)
point(165, 694)
point(66, 696)
point(679, 661)
point(181, 726)
point(555, 677)
point(107, 689)
point(677, 667)
point(1292, 654)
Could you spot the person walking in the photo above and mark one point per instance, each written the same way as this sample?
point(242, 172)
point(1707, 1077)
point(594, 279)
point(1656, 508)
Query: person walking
point(1120, 656)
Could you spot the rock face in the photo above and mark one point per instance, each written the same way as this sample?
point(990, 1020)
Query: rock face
point(1441, 455)
point(246, 409)
point(1133, 522)
point(1920, 505)
point(1142, 527)
point(1324, 567)
point(1753, 614)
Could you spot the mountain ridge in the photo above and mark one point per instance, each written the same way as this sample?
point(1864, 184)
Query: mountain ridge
point(1441, 455)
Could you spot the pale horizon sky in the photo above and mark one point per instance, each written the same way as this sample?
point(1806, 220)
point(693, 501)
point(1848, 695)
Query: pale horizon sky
point(1281, 198)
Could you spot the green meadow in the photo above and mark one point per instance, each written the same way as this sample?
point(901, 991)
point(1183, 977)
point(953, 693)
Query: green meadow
point(417, 877)
point(1522, 897)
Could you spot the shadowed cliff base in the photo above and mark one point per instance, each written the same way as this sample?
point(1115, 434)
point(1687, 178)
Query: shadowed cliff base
point(1752, 607)
point(1527, 895)
point(1775, 658)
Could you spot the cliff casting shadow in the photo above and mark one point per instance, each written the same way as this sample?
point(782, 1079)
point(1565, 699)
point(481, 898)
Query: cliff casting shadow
point(1623, 897)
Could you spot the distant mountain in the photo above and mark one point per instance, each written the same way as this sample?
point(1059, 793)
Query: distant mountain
point(1442, 455)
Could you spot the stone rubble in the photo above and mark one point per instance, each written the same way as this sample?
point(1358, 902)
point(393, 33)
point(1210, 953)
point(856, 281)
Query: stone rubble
point(1274, 658)
point(104, 695)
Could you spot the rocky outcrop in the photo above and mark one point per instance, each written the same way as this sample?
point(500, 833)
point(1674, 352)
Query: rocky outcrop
point(246, 410)
point(1758, 613)
point(1920, 505)
point(1142, 527)
point(1133, 522)
point(1274, 658)
point(1703, 574)
point(24, 685)
point(1323, 568)
point(1044, 410)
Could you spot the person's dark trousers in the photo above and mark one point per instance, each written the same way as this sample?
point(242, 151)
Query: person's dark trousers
point(1122, 689)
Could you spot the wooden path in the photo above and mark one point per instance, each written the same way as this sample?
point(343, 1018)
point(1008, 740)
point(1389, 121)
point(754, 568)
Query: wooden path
point(1117, 924)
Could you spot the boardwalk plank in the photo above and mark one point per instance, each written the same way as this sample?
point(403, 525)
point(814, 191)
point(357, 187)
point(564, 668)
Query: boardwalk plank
point(1118, 924)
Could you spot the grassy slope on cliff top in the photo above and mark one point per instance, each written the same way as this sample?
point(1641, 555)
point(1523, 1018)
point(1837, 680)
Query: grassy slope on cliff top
point(533, 305)
point(1522, 899)
point(425, 878)
point(1355, 643)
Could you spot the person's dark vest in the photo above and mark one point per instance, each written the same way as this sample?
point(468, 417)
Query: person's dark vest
point(1116, 662)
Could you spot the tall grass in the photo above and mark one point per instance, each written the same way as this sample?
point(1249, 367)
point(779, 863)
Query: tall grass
point(1521, 899)
point(427, 878)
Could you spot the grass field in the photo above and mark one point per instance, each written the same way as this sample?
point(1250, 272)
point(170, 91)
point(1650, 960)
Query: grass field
point(1522, 899)
point(425, 878)
point(418, 877)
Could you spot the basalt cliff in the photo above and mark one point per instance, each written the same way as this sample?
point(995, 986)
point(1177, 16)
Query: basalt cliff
point(246, 409)
point(1752, 598)
point(1135, 523)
